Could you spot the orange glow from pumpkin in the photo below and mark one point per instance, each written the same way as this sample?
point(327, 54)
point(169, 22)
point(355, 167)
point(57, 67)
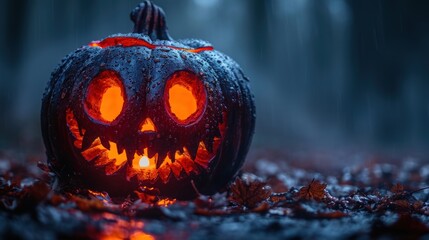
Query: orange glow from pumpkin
point(123, 229)
point(165, 202)
point(141, 236)
point(182, 102)
point(105, 97)
point(113, 153)
point(148, 126)
point(111, 103)
point(185, 97)
point(143, 162)
point(142, 167)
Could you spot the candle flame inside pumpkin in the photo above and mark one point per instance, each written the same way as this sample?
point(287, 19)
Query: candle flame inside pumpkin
point(144, 162)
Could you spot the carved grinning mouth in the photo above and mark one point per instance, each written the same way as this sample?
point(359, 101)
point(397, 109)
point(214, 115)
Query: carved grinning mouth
point(141, 166)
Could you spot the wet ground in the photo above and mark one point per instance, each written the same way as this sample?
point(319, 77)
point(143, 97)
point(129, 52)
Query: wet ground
point(277, 196)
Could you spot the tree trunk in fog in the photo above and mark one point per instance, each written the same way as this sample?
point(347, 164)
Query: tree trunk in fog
point(260, 12)
point(387, 58)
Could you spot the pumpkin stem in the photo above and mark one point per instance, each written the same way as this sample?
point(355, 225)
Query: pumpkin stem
point(149, 19)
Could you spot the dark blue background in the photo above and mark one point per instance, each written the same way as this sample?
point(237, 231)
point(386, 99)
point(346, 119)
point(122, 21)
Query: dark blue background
point(326, 74)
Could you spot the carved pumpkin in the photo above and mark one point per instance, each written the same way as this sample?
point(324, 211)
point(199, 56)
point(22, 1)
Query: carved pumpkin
point(142, 110)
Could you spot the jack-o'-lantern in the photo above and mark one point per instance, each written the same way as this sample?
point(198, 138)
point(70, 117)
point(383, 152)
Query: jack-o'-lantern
point(142, 110)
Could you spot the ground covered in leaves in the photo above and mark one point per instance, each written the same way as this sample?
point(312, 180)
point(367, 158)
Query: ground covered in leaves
point(277, 195)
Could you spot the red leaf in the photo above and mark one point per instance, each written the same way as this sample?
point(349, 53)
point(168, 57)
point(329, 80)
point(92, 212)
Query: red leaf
point(397, 188)
point(332, 215)
point(249, 192)
point(315, 190)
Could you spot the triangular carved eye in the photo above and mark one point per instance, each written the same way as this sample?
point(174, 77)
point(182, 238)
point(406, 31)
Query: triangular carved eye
point(148, 126)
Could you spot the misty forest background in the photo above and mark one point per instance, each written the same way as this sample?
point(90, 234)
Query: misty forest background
point(331, 74)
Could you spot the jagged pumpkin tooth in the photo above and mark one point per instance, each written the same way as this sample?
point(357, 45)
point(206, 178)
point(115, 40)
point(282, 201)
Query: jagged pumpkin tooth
point(88, 139)
point(120, 147)
point(151, 152)
point(130, 155)
point(164, 172)
point(161, 156)
point(187, 164)
point(140, 151)
point(172, 155)
point(93, 152)
point(158, 161)
point(176, 168)
point(208, 143)
point(192, 148)
point(105, 142)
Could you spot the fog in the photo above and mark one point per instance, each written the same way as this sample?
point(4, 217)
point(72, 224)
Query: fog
point(325, 74)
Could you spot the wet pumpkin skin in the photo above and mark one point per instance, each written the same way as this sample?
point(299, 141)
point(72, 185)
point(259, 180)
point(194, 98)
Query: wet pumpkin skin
point(206, 150)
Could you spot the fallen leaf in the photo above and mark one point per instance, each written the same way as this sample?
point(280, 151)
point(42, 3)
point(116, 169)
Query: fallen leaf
point(262, 208)
point(87, 205)
point(397, 188)
point(418, 205)
point(332, 215)
point(278, 197)
point(277, 185)
point(315, 190)
point(249, 192)
point(402, 205)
